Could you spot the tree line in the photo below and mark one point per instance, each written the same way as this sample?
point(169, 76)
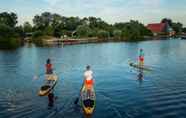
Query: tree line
point(9, 36)
point(176, 26)
point(55, 25)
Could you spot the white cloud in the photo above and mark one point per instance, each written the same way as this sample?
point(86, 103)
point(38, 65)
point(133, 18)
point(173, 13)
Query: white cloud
point(151, 2)
point(112, 10)
point(53, 2)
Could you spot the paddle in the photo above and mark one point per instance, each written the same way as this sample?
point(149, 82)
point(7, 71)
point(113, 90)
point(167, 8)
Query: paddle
point(38, 76)
point(77, 99)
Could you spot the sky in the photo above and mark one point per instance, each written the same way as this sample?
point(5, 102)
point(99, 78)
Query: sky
point(146, 11)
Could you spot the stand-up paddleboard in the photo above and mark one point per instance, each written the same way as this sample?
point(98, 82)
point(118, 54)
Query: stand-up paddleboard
point(51, 81)
point(88, 100)
point(139, 67)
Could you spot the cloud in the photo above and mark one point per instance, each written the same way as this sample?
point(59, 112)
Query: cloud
point(52, 2)
point(150, 2)
point(110, 10)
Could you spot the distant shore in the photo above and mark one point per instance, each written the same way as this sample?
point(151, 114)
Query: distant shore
point(51, 28)
point(73, 41)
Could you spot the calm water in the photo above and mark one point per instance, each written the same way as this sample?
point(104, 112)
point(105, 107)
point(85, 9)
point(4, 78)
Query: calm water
point(119, 92)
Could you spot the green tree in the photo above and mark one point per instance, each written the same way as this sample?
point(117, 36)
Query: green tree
point(72, 23)
point(117, 34)
point(19, 30)
point(9, 19)
point(184, 29)
point(167, 20)
point(133, 30)
point(8, 35)
point(102, 34)
point(37, 20)
point(49, 31)
point(43, 21)
point(94, 22)
point(27, 27)
point(177, 27)
point(83, 31)
point(92, 33)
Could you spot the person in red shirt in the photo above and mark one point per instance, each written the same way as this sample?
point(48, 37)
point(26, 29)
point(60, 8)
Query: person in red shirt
point(141, 58)
point(48, 66)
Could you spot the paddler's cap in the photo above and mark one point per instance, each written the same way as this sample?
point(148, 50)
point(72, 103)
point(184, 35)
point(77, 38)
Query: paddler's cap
point(48, 61)
point(141, 49)
point(88, 67)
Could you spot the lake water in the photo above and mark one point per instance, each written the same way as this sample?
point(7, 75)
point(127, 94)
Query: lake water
point(119, 92)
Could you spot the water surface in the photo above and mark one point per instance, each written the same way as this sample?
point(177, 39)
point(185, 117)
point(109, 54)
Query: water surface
point(119, 92)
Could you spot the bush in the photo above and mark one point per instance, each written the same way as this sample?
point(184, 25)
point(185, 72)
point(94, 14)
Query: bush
point(83, 31)
point(57, 32)
point(8, 38)
point(6, 31)
point(37, 34)
point(102, 34)
point(117, 34)
point(49, 31)
point(9, 43)
point(92, 33)
point(38, 41)
point(36, 38)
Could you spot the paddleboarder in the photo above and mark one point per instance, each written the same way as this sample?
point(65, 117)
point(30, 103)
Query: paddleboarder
point(48, 66)
point(141, 58)
point(88, 78)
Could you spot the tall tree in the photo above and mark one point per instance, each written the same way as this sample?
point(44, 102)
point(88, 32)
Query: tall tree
point(9, 19)
point(184, 29)
point(167, 20)
point(83, 31)
point(177, 27)
point(72, 23)
point(43, 21)
point(8, 35)
point(27, 27)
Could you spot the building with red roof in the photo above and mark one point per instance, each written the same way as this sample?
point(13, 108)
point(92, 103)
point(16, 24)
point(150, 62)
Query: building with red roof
point(160, 29)
point(157, 28)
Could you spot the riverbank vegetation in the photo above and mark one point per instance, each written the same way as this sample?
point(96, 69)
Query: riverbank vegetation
point(57, 26)
point(9, 33)
point(176, 26)
point(48, 25)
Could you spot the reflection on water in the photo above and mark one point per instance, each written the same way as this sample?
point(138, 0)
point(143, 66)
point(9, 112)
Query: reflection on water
point(140, 76)
point(87, 116)
point(161, 94)
point(51, 100)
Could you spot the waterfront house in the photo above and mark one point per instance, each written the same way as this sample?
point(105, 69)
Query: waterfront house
point(161, 29)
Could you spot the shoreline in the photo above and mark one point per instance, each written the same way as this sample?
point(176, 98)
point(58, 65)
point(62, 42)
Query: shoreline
point(75, 41)
point(52, 41)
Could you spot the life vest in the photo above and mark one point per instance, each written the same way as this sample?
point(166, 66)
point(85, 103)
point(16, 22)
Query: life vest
point(88, 79)
point(141, 58)
point(49, 68)
point(89, 83)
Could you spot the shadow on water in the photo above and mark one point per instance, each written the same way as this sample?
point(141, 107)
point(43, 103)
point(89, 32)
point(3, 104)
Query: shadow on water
point(140, 77)
point(51, 100)
point(77, 108)
point(87, 116)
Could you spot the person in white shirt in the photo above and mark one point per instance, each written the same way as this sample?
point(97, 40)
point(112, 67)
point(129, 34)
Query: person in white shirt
point(88, 78)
